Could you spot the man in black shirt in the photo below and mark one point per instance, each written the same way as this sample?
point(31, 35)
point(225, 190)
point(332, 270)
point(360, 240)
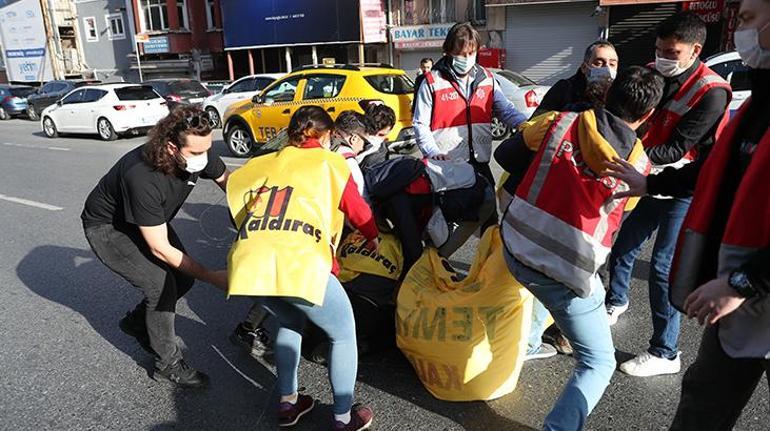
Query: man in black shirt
point(724, 281)
point(126, 218)
point(688, 118)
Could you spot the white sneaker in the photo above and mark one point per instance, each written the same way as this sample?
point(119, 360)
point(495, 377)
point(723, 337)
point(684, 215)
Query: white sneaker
point(647, 364)
point(614, 311)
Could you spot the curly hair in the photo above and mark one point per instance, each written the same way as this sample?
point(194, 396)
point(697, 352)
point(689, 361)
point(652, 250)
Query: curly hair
point(308, 122)
point(182, 121)
point(378, 117)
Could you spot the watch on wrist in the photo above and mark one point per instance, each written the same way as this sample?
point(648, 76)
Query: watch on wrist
point(739, 281)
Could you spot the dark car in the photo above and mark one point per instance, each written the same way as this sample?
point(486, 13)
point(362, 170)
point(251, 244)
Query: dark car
point(13, 100)
point(49, 94)
point(179, 91)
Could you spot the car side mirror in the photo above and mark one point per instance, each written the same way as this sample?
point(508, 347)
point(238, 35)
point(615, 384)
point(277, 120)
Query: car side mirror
point(225, 90)
point(257, 100)
point(59, 102)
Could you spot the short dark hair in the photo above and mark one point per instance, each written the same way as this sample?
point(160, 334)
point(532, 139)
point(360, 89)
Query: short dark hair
point(378, 117)
point(601, 43)
point(685, 27)
point(426, 60)
point(460, 36)
point(635, 91)
point(308, 122)
point(350, 122)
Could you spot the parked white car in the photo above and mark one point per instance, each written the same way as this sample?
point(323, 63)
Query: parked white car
point(107, 110)
point(522, 91)
point(730, 67)
point(240, 90)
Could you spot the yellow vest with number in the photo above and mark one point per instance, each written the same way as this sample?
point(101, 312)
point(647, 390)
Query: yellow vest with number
point(286, 208)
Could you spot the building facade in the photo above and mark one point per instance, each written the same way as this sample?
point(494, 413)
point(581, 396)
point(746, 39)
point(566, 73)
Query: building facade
point(106, 38)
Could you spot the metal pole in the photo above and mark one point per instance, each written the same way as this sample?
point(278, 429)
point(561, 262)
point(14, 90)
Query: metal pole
point(138, 60)
point(288, 59)
point(388, 25)
point(264, 66)
point(315, 56)
point(251, 63)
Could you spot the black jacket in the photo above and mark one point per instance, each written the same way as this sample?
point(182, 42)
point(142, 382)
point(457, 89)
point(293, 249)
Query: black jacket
point(566, 92)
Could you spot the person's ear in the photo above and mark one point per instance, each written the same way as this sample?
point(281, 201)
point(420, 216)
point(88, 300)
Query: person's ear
point(171, 148)
point(697, 49)
point(584, 68)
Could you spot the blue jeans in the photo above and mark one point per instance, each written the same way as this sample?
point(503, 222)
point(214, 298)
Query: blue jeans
point(666, 216)
point(584, 322)
point(335, 317)
point(539, 318)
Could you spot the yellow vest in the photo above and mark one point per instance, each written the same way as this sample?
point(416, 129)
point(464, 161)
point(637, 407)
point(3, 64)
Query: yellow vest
point(355, 259)
point(286, 208)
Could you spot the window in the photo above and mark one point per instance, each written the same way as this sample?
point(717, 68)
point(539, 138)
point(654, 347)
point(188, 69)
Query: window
point(416, 12)
point(154, 15)
point(261, 83)
point(323, 86)
point(479, 11)
point(241, 86)
point(181, 10)
point(144, 92)
point(391, 84)
point(48, 88)
point(188, 88)
point(284, 91)
point(211, 9)
point(92, 33)
point(21, 91)
point(736, 73)
point(442, 11)
point(93, 95)
point(115, 29)
point(72, 98)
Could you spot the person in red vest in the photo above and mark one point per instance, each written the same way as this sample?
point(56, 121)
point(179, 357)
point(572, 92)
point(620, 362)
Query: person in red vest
point(691, 114)
point(559, 227)
point(455, 103)
point(721, 272)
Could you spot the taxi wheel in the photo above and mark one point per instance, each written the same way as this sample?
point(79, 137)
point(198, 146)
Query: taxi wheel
point(214, 117)
point(239, 141)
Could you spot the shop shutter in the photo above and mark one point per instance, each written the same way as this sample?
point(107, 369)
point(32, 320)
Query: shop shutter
point(632, 30)
point(546, 42)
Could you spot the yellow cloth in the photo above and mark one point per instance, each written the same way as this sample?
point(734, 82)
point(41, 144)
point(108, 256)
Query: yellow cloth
point(355, 259)
point(466, 339)
point(286, 207)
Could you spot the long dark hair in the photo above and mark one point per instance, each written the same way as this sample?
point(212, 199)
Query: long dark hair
point(309, 122)
point(183, 120)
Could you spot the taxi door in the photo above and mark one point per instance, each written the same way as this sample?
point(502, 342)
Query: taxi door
point(279, 102)
point(323, 89)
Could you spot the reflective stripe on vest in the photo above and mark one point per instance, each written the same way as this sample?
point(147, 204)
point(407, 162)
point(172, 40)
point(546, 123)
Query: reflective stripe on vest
point(455, 121)
point(663, 122)
point(543, 239)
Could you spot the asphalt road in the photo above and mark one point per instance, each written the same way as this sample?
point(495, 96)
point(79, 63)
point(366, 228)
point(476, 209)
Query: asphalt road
point(65, 365)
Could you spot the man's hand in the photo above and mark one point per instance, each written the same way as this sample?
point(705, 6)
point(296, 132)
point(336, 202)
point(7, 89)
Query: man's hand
point(626, 172)
point(712, 301)
point(441, 157)
point(372, 245)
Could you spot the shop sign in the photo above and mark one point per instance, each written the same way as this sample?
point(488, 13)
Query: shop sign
point(420, 36)
point(709, 10)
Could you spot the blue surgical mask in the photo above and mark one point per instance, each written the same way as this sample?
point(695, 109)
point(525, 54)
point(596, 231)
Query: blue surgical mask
point(602, 72)
point(462, 65)
point(747, 45)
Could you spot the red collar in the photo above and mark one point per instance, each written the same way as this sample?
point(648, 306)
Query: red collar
point(311, 143)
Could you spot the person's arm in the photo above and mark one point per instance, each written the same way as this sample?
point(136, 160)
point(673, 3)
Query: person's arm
point(554, 99)
point(358, 213)
point(356, 174)
point(691, 129)
point(157, 240)
point(423, 111)
point(505, 110)
point(217, 171)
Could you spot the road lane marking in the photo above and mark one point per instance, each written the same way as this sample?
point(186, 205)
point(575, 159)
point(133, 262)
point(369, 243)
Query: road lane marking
point(242, 374)
point(30, 203)
point(233, 164)
point(35, 147)
point(59, 148)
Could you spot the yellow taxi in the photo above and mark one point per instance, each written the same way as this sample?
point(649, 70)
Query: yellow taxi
point(337, 88)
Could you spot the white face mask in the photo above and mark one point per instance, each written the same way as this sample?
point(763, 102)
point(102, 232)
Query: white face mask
point(598, 73)
point(747, 45)
point(197, 163)
point(668, 68)
point(462, 65)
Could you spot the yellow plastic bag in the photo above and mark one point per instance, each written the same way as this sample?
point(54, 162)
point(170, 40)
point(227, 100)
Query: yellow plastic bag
point(466, 339)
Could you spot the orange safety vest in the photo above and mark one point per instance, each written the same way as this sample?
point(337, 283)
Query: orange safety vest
point(462, 128)
point(664, 121)
point(562, 219)
point(745, 332)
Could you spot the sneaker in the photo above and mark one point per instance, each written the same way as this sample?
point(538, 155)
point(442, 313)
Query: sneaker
point(542, 352)
point(647, 364)
point(559, 342)
point(133, 324)
point(614, 311)
point(289, 414)
point(360, 419)
point(256, 342)
point(182, 374)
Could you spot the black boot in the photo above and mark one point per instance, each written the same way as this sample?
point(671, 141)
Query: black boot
point(182, 374)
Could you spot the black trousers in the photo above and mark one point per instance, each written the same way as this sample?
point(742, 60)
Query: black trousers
point(716, 388)
point(126, 253)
